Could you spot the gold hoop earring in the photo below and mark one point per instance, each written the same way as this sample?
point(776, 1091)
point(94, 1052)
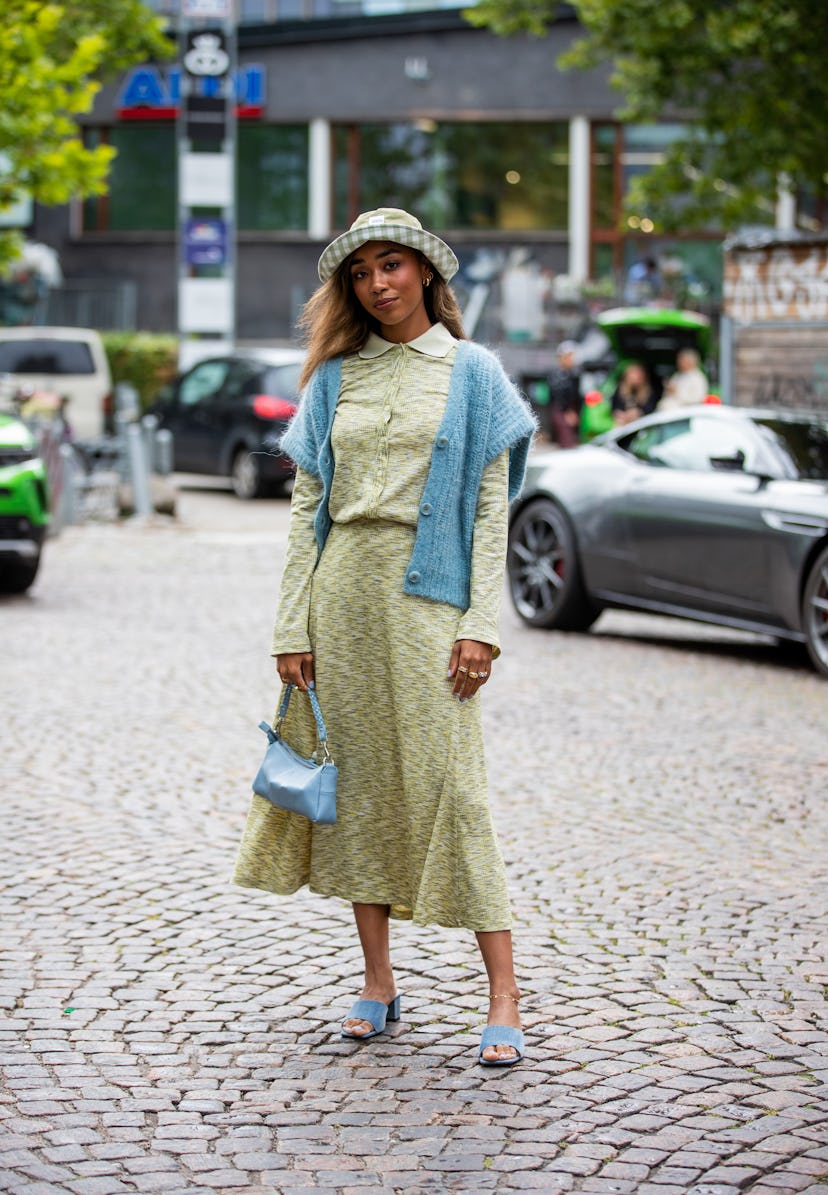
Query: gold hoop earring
point(427, 280)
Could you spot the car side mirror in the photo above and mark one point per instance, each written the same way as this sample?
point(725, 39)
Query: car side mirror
point(729, 464)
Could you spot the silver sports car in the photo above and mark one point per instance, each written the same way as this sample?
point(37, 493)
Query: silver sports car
point(714, 513)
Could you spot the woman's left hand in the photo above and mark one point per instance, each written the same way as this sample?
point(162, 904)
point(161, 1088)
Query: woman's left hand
point(470, 667)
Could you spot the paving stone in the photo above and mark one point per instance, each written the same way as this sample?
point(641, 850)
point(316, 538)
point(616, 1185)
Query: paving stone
point(670, 910)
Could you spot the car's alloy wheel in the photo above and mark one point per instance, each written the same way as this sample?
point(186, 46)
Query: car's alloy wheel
point(544, 574)
point(244, 475)
point(815, 612)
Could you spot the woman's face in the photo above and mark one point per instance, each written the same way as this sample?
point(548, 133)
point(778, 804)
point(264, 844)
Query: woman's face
point(636, 377)
point(388, 281)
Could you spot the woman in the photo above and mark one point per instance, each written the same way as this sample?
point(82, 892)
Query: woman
point(409, 442)
point(687, 386)
point(634, 396)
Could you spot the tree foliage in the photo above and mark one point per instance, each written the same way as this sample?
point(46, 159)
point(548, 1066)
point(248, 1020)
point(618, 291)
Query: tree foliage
point(53, 59)
point(747, 75)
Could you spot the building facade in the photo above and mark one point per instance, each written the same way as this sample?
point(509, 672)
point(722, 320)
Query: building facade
point(521, 167)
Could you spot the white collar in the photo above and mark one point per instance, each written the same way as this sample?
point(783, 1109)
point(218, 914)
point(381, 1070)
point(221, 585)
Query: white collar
point(436, 342)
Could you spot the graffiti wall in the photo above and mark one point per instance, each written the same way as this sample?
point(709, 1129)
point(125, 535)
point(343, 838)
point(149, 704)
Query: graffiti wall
point(782, 283)
point(776, 296)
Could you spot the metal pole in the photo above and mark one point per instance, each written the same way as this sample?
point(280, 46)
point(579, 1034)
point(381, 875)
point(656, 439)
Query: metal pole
point(206, 277)
point(164, 452)
point(726, 346)
point(139, 474)
point(69, 505)
point(149, 428)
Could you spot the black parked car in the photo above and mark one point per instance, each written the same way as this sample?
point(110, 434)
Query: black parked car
point(718, 514)
point(228, 413)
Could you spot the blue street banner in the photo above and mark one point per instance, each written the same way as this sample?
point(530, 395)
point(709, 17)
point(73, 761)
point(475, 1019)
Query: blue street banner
point(205, 241)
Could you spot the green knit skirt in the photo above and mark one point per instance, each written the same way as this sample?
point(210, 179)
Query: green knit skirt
point(414, 830)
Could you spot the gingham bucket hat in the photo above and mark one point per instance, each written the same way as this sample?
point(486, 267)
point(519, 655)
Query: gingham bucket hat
point(388, 224)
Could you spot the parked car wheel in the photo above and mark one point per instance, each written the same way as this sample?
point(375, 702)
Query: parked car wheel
point(18, 575)
point(544, 574)
point(815, 612)
point(245, 476)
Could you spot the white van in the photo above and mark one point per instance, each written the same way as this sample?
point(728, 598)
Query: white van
point(70, 362)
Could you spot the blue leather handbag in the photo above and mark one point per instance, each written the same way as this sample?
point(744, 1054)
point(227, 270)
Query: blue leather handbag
point(291, 782)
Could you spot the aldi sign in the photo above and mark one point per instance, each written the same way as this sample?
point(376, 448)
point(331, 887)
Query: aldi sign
point(149, 93)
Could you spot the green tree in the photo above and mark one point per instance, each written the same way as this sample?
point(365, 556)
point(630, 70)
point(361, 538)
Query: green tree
point(53, 59)
point(747, 75)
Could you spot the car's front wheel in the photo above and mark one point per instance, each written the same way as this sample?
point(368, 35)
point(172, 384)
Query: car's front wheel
point(544, 574)
point(815, 612)
point(245, 475)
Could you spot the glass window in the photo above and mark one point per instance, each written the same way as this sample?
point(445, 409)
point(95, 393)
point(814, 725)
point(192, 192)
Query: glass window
point(693, 444)
point(255, 11)
point(499, 174)
point(283, 380)
point(202, 382)
point(142, 180)
point(273, 176)
point(46, 356)
point(689, 270)
point(802, 446)
point(605, 201)
point(272, 169)
point(252, 11)
point(642, 444)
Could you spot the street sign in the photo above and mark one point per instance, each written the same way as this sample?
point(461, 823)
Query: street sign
point(206, 55)
point(206, 118)
point(206, 128)
point(205, 241)
point(205, 305)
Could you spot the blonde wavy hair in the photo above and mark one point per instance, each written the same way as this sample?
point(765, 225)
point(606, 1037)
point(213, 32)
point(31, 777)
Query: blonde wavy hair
point(334, 322)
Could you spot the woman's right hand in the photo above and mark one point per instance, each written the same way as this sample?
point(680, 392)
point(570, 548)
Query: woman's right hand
point(296, 668)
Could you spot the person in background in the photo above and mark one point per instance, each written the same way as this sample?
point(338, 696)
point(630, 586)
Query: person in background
point(644, 281)
point(687, 386)
point(564, 409)
point(634, 395)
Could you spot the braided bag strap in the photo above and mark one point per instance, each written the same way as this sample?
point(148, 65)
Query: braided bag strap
point(321, 729)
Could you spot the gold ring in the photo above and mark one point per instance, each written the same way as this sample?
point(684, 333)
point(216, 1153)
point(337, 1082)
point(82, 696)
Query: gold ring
point(474, 675)
point(462, 669)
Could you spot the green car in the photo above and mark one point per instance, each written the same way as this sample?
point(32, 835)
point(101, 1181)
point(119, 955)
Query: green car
point(24, 505)
point(651, 336)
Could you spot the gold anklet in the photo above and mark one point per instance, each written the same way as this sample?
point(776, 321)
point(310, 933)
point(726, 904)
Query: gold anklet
point(505, 996)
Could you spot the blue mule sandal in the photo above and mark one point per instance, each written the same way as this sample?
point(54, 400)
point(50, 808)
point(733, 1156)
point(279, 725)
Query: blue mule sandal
point(501, 1035)
point(376, 1013)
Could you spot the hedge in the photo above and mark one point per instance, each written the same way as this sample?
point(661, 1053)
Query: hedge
point(147, 360)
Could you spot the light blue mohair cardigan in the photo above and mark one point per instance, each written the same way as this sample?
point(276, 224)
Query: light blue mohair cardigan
point(484, 415)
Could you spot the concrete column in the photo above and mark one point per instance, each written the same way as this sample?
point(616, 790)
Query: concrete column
point(785, 204)
point(319, 179)
point(579, 198)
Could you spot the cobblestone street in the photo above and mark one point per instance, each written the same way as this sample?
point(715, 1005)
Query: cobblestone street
point(661, 792)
